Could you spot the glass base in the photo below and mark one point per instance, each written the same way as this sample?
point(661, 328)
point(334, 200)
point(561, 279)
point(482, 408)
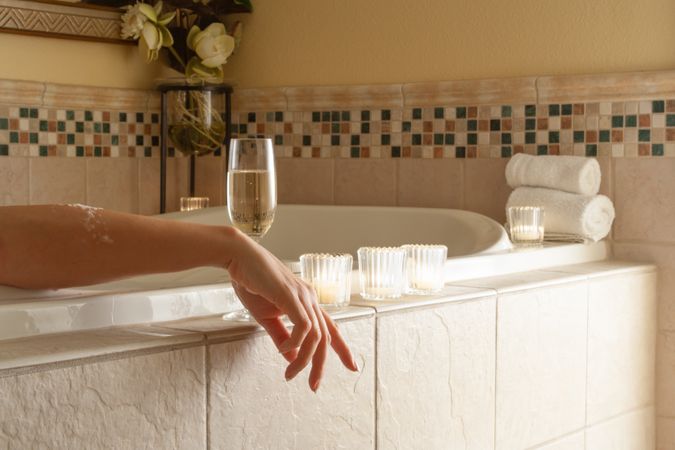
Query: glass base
point(242, 315)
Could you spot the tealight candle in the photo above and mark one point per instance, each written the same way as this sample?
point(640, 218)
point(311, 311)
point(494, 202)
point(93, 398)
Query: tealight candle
point(330, 276)
point(526, 225)
point(381, 272)
point(193, 203)
point(424, 268)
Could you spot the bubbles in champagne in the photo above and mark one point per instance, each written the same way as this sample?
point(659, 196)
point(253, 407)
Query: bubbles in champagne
point(251, 201)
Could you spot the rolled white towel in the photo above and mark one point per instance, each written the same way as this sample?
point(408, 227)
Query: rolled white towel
point(590, 216)
point(576, 174)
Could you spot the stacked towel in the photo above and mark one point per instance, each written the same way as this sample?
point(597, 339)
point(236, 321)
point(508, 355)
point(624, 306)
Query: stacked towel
point(566, 173)
point(566, 187)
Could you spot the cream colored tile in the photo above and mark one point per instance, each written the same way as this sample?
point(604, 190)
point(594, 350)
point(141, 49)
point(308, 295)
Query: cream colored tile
point(523, 280)
point(645, 188)
point(435, 377)
point(52, 348)
point(665, 433)
point(152, 401)
point(431, 183)
point(631, 431)
point(13, 181)
point(407, 302)
point(148, 192)
point(264, 411)
point(572, 442)
point(485, 188)
point(664, 257)
point(665, 374)
point(621, 345)
point(363, 181)
point(306, 181)
point(112, 183)
point(541, 365)
point(57, 180)
point(210, 178)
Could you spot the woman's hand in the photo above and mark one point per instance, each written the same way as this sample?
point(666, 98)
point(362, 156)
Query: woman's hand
point(269, 290)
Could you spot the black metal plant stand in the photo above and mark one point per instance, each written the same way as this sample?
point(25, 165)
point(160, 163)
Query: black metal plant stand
point(165, 89)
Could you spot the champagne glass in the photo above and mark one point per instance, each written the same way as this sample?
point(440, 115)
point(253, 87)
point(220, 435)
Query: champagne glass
point(251, 193)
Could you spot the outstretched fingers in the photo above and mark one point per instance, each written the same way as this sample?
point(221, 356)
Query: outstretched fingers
point(279, 334)
point(339, 345)
point(310, 343)
point(319, 358)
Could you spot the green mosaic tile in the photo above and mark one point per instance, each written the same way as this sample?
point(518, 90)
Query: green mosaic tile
point(506, 152)
point(542, 149)
point(243, 128)
point(417, 139)
point(70, 115)
point(530, 137)
point(306, 140)
point(345, 116)
point(553, 137)
point(355, 153)
point(335, 139)
point(316, 116)
point(44, 151)
point(657, 149)
point(98, 151)
point(396, 151)
point(147, 152)
point(13, 137)
point(115, 140)
point(24, 113)
point(472, 125)
point(530, 124)
point(553, 110)
point(631, 121)
point(460, 152)
point(439, 113)
point(123, 117)
point(417, 113)
point(386, 114)
point(406, 126)
point(4, 150)
point(89, 116)
point(670, 120)
point(335, 116)
point(106, 127)
point(506, 138)
point(278, 139)
point(356, 139)
point(325, 117)
point(365, 127)
point(139, 140)
point(278, 116)
point(617, 121)
point(658, 106)
point(79, 151)
point(365, 115)
point(530, 110)
point(644, 135)
point(154, 118)
point(4, 123)
point(566, 109)
point(33, 138)
point(385, 139)
point(140, 118)
point(578, 137)
point(506, 111)
point(460, 113)
point(604, 135)
point(250, 117)
point(154, 140)
point(44, 125)
point(335, 128)
point(70, 139)
point(495, 124)
point(449, 139)
point(97, 127)
point(472, 139)
point(34, 113)
point(438, 139)
point(591, 150)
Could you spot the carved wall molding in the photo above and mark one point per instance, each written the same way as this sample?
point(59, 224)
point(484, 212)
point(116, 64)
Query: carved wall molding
point(57, 19)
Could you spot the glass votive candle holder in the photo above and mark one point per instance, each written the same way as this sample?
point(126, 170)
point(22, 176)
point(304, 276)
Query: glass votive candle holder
point(193, 203)
point(381, 272)
point(424, 268)
point(330, 276)
point(526, 225)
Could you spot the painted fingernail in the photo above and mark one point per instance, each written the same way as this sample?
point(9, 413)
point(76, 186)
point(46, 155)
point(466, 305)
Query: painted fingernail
point(316, 386)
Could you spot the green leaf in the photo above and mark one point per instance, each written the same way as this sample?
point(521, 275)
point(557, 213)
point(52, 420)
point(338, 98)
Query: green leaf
point(166, 18)
point(167, 39)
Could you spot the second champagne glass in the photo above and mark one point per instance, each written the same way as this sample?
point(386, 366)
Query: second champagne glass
point(251, 192)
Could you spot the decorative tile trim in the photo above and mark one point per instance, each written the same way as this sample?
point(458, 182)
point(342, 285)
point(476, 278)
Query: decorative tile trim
point(471, 92)
point(60, 20)
point(330, 97)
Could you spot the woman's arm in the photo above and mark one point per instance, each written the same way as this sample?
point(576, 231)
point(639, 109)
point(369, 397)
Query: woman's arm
point(55, 246)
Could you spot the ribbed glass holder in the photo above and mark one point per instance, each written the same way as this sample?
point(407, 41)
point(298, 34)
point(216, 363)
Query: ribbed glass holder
point(381, 272)
point(330, 275)
point(526, 225)
point(193, 203)
point(424, 268)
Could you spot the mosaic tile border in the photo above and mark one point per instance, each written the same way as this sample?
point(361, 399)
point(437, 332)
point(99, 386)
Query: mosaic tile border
point(618, 129)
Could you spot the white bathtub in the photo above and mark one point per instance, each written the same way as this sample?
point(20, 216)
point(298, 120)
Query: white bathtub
point(477, 247)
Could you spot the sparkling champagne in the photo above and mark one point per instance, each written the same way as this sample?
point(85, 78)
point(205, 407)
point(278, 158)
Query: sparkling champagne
point(251, 199)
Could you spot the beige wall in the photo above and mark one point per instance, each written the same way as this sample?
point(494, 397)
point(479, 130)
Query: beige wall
point(298, 42)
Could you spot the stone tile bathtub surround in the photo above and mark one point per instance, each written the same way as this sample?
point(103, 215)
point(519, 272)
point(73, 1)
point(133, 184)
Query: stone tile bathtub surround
point(154, 401)
point(267, 412)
